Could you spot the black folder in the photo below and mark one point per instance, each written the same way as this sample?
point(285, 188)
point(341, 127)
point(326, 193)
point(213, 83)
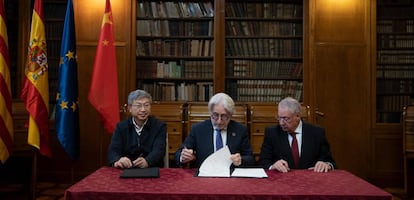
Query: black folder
point(153, 172)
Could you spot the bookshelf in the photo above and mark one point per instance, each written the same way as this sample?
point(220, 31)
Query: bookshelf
point(263, 48)
point(174, 49)
point(54, 13)
point(395, 58)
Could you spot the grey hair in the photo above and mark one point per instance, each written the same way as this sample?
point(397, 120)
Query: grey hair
point(291, 104)
point(227, 101)
point(138, 94)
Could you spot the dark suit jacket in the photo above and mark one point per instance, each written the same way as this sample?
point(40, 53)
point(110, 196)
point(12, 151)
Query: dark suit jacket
point(201, 140)
point(315, 147)
point(152, 142)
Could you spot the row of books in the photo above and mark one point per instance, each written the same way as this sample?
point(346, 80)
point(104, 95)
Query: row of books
point(390, 87)
point(173, 9)
point(395, 26)
point(263, 10)
point(172, 91)
point(167, 28)
point(264, 69)
point(401, 72)
point(395, 56)
point(175, 69)
point(393, 103)
point(260, 47)
point(263, 28)
point(264, 90)
point(159, 47)
point(396, 41)
point(58, 10)
point(406, 10)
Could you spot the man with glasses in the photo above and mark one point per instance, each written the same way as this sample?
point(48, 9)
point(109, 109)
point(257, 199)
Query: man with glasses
point(294, 144)
point(140, 140)
point(212, 134)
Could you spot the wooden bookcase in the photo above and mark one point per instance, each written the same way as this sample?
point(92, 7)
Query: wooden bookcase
point(395, 58)
point(174, 49)
point(263, 49)
point(188, 50)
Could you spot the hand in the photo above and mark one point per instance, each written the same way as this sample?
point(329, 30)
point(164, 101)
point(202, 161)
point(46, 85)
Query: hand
point(236, 158)
point(123, 162)
point(321, 167)
point(187, 155)
point(281, 166)
point(140, 162)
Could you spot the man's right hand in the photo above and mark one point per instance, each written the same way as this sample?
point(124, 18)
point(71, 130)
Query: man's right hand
point(281, 166)
point(187, 155)
point(123, 162)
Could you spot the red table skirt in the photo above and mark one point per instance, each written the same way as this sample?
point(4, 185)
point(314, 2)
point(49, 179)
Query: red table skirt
point(176, 183)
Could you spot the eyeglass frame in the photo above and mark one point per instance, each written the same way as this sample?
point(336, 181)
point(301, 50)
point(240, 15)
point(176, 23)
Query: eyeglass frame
point(215, 116)
point(146, 106)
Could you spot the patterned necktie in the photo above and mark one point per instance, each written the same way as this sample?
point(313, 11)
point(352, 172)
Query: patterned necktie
point(295, 149)
point(219, 141)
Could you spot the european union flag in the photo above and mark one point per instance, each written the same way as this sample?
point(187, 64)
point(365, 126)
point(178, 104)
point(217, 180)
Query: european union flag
point(67, 110)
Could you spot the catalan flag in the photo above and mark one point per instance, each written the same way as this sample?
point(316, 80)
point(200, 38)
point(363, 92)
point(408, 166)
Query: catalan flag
point(103, 92)
point(35, 91)
point(6, 122)
point(67, 103)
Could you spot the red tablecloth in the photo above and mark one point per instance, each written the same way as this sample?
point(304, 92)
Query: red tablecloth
point(175, 183)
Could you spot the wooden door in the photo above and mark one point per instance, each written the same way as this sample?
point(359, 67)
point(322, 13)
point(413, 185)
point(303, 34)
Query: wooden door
point(338, 77)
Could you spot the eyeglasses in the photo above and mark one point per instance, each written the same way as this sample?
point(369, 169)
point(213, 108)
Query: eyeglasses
point(284, 119)
point(146, 106)
point(217, 116)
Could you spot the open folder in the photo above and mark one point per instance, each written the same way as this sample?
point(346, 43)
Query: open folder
point(218, 165)
point(153, 172)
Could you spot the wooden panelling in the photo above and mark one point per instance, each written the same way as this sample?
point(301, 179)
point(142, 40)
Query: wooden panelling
point(408, 149)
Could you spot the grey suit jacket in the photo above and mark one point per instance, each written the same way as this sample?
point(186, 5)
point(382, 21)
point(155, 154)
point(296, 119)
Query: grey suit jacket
point(315, 147)
point(201, 141)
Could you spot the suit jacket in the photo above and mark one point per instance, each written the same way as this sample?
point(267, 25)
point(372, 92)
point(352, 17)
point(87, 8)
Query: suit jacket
point(151, 146)
point(315, 147)
point(201, 141)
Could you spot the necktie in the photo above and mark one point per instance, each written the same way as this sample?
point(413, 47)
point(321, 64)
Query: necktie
point(295, 149)
point(219, 141)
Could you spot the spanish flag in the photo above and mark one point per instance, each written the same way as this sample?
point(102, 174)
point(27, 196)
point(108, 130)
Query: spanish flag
point(35, 91)
point(103, 92)
point(6, 122)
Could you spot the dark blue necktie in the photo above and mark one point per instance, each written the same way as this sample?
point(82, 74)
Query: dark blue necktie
point(219, 141)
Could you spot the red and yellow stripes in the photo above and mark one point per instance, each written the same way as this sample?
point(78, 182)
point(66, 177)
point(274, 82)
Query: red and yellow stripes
point(6, 122)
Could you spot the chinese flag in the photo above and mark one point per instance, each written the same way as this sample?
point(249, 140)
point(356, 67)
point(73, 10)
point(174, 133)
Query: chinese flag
point(6, 122)
point(35, 91)
point(103, 92)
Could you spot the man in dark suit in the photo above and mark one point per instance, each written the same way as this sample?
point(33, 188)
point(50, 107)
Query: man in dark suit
point(140, 140)
point(280, 141)
point(210, 135)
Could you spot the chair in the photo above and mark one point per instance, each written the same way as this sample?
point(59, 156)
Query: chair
point(197, 112)
point(166, 155)
point(263, 115)
point(408, 149)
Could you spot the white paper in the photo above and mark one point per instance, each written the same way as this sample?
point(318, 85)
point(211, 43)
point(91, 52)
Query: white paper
point(217, 164)
point(249, 172)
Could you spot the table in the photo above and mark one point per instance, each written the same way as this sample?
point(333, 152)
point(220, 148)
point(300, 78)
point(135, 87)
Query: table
point(177, 183)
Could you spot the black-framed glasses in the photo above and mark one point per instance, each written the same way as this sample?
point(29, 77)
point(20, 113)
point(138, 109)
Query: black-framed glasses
point(217, 116)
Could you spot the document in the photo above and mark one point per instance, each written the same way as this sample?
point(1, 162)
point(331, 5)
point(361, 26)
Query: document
point(218, 165)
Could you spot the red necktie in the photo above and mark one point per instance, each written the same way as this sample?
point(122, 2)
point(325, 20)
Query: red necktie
point(295, 149)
